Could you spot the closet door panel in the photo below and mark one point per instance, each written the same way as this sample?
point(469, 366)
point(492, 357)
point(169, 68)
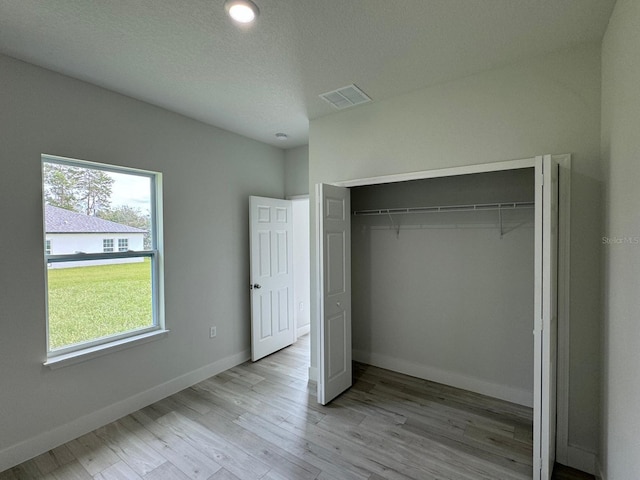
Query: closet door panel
point(334, 249)
point(546, 317)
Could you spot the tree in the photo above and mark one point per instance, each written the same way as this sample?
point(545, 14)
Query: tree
point(61, 185)
point(131, 216)
point(94, 190)
point(83, 190)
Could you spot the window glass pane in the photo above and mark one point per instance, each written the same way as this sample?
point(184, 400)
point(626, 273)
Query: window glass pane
point(131, 205)
point(86, 207)
point(98, 299)
point(107, 245)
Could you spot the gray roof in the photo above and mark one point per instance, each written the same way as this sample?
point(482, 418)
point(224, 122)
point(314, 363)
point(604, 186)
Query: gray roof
point(59, 220)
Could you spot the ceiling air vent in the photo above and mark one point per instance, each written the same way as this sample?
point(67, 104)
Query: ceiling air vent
point(345, 97)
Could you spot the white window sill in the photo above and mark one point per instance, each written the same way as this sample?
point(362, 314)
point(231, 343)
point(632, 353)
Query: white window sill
point(104, 349)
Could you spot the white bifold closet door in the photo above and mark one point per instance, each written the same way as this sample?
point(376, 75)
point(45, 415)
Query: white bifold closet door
point(546, 317)
point(334, 282)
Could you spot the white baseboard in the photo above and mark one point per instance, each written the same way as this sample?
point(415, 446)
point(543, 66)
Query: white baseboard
point(27, 449)
point(503, 392)
point(581, 459)
point(313, 374)
point(303, 330)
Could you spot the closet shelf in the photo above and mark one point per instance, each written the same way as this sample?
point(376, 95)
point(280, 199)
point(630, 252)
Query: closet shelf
point(447, 208)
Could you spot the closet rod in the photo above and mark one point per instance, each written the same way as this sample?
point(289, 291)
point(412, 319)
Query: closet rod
point(447, 208)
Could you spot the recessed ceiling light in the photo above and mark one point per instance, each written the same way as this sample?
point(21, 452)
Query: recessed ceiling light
point(242, 11)
point(282, 136)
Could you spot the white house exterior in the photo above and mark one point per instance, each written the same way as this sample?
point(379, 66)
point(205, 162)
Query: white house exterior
point(71, 232)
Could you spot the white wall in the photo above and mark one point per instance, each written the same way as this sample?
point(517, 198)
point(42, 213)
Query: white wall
point(62, 243)
point(296, 171)
point(544, 105)
point(447, 298)
point(621, 153)
point(301, 272)
point(208, 175)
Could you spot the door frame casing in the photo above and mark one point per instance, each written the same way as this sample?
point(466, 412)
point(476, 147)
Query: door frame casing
point(564, 161)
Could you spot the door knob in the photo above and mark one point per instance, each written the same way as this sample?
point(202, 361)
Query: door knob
point(255, 285)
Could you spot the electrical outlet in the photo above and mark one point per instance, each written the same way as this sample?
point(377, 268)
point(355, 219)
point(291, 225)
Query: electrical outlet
point(212, 332)
point(301, 306)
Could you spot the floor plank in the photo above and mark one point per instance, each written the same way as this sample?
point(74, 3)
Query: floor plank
point(92, 453)
point(72, 471)
point(137, 454)
point(117, 471)
point(261, 421)
point(166, 471)
point(53, 459)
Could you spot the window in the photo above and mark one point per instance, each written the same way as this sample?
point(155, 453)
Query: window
point(97, 296)
point(107, 245)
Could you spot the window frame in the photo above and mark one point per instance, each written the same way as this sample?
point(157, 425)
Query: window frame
point(73, 353)
point(105, 247)
point(47, 246)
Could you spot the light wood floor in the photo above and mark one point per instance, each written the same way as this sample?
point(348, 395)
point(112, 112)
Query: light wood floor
point(261, 421)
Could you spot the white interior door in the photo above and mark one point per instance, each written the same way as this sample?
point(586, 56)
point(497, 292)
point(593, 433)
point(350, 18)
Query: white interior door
point(334, 284)
point(271, 278)
point(546, 328)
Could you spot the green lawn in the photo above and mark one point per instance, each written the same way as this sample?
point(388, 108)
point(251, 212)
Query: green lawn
point(86, 303)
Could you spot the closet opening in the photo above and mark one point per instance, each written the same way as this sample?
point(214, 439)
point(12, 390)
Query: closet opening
point(444, 275)
point(442, 280)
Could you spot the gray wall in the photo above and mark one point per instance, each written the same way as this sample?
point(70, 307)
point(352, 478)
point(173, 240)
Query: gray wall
point(544, 105)
point(460, 297)
point(296, 171)
point(620, 153)
point(208, 175)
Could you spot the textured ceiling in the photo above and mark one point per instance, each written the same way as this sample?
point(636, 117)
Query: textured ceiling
point(187, 56)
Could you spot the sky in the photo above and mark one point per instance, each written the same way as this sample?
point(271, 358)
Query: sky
point(131, 190)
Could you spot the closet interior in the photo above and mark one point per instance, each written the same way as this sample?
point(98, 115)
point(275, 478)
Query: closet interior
point(443, 280)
